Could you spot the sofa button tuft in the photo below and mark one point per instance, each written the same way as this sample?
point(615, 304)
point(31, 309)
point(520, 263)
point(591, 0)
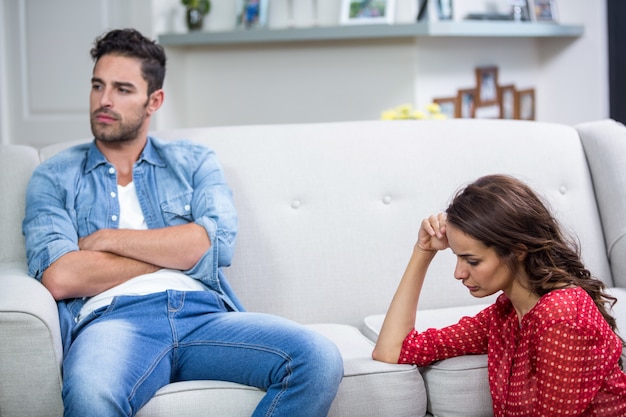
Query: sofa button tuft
point(563, 189)
point(386, 199)
point(295, 204)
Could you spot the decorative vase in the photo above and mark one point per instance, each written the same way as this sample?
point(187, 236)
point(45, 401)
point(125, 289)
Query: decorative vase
point(195, 18)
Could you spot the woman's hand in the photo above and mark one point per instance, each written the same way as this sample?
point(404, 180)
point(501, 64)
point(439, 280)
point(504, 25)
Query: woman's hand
point(432, 233)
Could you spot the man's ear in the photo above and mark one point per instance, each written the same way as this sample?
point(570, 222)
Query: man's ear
point(155, 101)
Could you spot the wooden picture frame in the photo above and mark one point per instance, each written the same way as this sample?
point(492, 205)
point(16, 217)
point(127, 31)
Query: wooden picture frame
point(448, 106)
point(466, 103)
point(508, 101)
point(358, 12)
point(486, 86)
point(544, 11)
point(525, 104)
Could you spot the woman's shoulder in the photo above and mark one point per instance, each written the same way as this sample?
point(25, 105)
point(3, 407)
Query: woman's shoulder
point(571, 304)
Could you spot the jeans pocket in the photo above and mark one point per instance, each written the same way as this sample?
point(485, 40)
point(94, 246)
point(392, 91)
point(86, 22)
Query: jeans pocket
point(89, 318)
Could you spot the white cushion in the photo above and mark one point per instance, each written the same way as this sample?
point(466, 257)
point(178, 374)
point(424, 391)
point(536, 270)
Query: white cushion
point(456, 386)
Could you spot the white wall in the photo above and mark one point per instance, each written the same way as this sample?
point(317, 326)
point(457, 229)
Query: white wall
point(45, 67)
point(574, 83)
point(4, 128)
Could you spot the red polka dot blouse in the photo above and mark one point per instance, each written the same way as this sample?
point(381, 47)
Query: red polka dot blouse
point(561, 360)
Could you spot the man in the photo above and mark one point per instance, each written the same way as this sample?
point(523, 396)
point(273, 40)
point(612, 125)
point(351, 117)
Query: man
point(129, 234)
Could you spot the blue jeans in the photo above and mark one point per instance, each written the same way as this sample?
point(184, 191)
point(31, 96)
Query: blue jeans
point(122, 354)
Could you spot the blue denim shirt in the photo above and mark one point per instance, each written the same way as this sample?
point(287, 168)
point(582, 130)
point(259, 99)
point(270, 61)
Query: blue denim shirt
point(74, 194)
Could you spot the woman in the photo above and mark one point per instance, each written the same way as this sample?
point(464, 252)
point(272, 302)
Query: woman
point(550, 340)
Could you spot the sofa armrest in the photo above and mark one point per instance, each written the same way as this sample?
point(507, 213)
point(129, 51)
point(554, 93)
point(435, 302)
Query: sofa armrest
point(30, 346)
point(604, 143)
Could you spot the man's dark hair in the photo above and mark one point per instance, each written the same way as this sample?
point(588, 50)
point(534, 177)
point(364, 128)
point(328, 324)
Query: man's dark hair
point(131, 43)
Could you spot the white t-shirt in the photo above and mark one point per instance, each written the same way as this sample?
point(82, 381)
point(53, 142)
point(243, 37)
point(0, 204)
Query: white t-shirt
point(131, 217)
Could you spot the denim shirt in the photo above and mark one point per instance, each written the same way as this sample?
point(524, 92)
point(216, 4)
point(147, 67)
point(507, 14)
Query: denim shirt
point(74, 194)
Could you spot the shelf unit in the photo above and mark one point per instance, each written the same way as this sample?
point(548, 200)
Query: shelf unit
point(356, 32)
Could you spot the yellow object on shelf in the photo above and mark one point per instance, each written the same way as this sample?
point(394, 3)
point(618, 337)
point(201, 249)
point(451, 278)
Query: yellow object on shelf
point(407, 112)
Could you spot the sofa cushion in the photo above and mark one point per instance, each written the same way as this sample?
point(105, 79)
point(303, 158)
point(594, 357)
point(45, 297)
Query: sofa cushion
point(209, 398)
point(368, 388)
point(605, 148)
point(455, 387)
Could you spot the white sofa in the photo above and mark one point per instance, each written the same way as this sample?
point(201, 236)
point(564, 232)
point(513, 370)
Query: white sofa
point(328, 217)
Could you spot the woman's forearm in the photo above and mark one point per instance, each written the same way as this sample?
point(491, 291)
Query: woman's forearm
point(400, 317)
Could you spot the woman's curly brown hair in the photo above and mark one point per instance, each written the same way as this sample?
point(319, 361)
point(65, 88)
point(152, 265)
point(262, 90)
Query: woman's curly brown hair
point(507, 215)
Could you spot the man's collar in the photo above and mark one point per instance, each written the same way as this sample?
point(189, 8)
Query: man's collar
point(149, 155)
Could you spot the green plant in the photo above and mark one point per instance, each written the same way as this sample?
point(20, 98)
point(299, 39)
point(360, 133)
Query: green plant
point(203, 6)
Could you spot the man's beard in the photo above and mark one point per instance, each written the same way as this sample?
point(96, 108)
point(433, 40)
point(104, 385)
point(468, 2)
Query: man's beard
point(120, 131)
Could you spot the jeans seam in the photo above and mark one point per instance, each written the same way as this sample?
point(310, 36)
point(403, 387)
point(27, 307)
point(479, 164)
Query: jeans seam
point(279, 395)
point(144, 377)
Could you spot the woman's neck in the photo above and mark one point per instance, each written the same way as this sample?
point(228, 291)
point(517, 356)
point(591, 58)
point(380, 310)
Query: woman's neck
point(522, 298)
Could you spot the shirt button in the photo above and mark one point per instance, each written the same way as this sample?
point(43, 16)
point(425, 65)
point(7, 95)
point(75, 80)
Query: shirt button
point(187, 207)
point(111, 170)
point(114, 218)
point(113, 194)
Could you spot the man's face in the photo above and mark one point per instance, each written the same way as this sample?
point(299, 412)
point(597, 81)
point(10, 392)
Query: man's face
point(119, 99)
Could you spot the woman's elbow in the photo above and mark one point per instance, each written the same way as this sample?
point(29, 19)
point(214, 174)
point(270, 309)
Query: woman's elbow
point(385, 355)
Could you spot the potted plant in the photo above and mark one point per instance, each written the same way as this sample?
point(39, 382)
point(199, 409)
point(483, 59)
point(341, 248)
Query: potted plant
point(196, 10)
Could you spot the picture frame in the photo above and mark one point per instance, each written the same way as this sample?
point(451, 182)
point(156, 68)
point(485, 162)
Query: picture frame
point(445, 10)
point(466, 103)
point(448, 106)
point(525, 104)
point(252, 14)
point(435, 10)
point(486, 85)
point(544, 11)
point(520, 10)
point(422, 10)
point(360, 12)
point(507, 99)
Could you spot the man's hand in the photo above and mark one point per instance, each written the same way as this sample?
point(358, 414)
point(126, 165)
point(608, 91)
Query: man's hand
point(96, 241)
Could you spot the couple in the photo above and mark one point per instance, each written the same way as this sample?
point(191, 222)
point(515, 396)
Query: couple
point(134, 282)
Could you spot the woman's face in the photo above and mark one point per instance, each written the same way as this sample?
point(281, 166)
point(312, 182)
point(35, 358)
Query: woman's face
point(478, 266)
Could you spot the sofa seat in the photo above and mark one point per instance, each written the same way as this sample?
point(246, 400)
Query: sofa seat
point(447, 381)
point(391, 390)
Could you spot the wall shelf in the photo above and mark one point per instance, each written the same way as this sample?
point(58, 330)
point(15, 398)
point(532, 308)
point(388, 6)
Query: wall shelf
point(355, 32)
